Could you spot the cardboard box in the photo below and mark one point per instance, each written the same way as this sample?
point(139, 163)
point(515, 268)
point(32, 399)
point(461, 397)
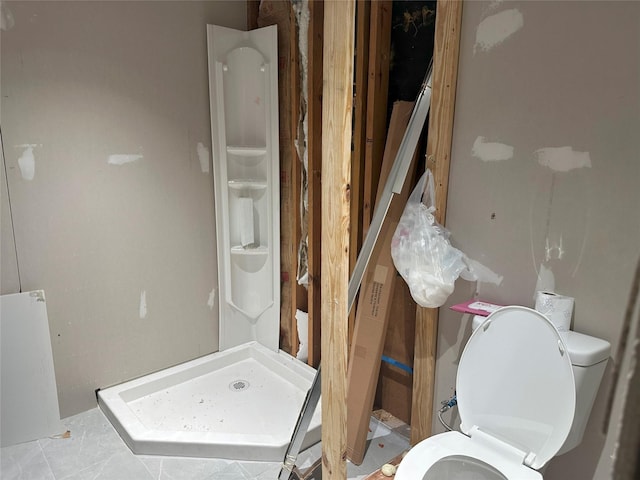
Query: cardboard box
point(374, 303)
point(395, 385)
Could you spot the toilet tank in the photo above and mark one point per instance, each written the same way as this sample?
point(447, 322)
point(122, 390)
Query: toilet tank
point(589, 357)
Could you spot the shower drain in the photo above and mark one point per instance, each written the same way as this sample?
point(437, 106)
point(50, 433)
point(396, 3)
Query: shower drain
point(238, 385)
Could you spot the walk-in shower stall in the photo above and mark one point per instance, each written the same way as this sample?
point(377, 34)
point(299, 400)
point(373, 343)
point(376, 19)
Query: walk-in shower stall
point(241, 402)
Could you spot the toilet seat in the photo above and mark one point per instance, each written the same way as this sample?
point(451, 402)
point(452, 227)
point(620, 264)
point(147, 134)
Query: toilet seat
point(426, 454)
point(516, 398)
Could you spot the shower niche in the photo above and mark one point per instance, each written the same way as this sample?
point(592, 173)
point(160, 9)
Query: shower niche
point(244, 125)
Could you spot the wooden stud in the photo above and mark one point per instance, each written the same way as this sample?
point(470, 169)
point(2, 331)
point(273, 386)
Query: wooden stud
point(445, 72)
point(376, 115)
point(314, 194)
point(278, 12)
point(339, 26)
point(253, 10)
point(363, 16)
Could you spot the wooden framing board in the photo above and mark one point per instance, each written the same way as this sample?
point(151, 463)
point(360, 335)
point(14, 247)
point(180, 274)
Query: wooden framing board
point(376, 115)
point(314, 192)
point(253, 9)
point(339, 26)
point(363, 16)
point(445, 72)
point(280, 13)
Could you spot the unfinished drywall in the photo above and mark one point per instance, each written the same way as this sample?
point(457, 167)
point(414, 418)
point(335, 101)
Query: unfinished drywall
point(9, 280)
point(544, 182)
point(105, 123)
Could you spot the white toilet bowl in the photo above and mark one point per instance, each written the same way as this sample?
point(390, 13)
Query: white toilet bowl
point(452, 455)
point(516, 398)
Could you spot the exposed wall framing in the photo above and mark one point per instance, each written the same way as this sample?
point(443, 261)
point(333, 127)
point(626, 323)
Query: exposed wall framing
point(280, 13)
point(314, 149)
point(445, 73)
point(295, 296)
point(348, 175)
point(376, 111)
point(363, 15)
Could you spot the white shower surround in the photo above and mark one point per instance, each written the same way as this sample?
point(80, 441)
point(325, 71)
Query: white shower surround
point(242, 402)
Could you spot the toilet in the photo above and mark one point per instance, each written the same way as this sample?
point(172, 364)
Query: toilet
point(524, 395)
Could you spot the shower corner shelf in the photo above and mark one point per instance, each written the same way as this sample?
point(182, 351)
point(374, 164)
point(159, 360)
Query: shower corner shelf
point(244, 129)
point(247, 151)
point(260, 251)
point(247, 184)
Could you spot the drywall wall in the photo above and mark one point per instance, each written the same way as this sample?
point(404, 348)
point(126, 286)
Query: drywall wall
point(9, 280)
point(105, 124)
point(544, 181)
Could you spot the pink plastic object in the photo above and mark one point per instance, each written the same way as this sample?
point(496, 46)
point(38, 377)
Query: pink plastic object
point(476, 307)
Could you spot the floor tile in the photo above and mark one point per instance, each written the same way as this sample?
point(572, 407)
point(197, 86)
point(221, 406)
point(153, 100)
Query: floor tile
point(25, 461)
point(95, 451)
point(233, 471)
point(120, 465)
point(257, 470)
point(270, 473)
point(93, 443)
point(178, 468)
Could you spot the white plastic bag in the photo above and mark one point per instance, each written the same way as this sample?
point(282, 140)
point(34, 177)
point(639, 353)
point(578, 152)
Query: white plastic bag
point(423, 254)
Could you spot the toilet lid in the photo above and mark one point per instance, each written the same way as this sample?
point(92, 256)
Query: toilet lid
point(515, 383)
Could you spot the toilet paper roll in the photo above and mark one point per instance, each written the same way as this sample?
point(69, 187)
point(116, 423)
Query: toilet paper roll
point(557, 308)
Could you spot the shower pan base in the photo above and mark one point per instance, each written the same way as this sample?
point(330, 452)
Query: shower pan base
point(239, 404)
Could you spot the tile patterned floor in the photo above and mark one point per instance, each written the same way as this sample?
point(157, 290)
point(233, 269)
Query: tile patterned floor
point(95, 451)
